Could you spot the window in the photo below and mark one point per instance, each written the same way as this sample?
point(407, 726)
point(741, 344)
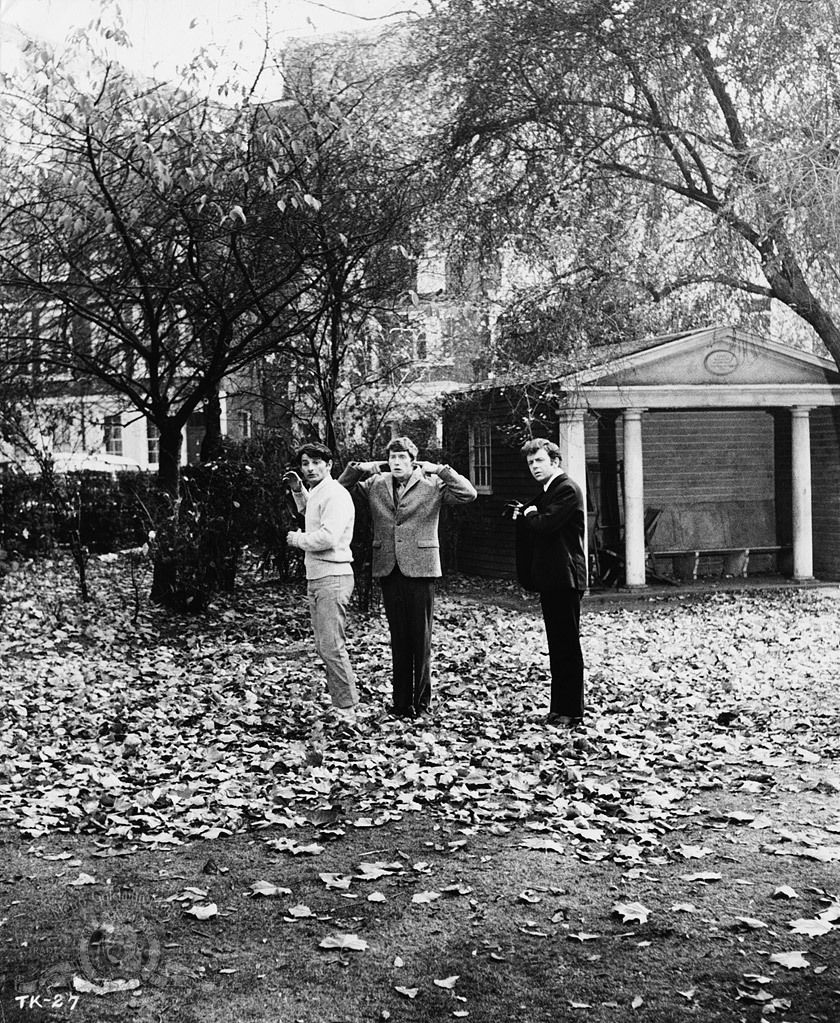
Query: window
point(408, 344)
point(246, 425)
point(481, 457)
point(113, 435)
point(448, 336)
point(153, 443)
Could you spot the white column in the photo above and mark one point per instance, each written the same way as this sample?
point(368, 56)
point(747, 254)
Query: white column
point(223, 413)
point(572, 444)
point(634, 499)
point(571, 439)
point(803, 544)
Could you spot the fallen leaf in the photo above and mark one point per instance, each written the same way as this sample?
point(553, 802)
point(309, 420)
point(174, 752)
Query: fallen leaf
point(339, 881)
point(784, 892)
point(447, 982)
point(372, 872)
point(543, 844)
point(529, 895)
point(424, 897)
point(268, 889)
point(761, 995)
point(813, 928)
point(203, 912)
point(82, 879)
point(456, 889)
point(831, 914)
point(631, 911)
point(693, 852)
point(299, 912)
point(342, 941)
point(107, 987)
point(790, 960)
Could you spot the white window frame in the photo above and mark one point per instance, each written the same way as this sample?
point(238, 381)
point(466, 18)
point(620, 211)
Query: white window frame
point(481, 457)
point(112, 440)
point(413, 341)
point(246, 424)
point(152, 443)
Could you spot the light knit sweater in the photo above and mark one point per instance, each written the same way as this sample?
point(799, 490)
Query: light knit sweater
point(329, 518)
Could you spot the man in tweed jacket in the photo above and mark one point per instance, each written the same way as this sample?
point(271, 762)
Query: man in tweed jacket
point(405, 507)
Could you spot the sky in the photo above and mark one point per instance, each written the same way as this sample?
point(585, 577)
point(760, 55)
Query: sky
point(165, 33)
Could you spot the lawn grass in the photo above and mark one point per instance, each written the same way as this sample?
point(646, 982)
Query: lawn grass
point(711, 749)
point(515, 960)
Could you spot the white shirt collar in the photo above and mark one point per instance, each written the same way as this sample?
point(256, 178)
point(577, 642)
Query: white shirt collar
point(553, 478)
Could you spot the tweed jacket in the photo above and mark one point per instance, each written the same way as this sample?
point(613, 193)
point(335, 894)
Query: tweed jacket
point(549, 543)
point(406, 533)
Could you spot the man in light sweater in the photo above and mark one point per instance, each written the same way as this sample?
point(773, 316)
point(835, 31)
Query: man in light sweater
point(329, 517)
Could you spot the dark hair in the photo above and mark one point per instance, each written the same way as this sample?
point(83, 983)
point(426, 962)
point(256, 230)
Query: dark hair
point(401, 444)
point(537, 444)
point(314, 450)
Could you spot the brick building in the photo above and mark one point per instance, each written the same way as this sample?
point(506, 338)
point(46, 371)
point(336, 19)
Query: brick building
point(711, 451)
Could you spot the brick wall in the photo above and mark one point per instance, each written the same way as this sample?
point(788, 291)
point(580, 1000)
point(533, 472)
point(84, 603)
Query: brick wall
point(738, 460)
point(825, 471)
point(720, 477)
point(483, 538)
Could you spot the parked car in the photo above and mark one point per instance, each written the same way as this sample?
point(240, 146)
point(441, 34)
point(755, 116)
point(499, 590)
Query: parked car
point(77, 461)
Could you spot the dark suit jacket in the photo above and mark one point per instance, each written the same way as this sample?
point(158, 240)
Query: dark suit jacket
point(406, 534)
point(550, 552)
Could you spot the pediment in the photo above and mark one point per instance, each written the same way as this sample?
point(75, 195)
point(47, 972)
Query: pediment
point(715, 356)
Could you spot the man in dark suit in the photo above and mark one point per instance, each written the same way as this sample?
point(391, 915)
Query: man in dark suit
point(551, 560)
point(405, 507)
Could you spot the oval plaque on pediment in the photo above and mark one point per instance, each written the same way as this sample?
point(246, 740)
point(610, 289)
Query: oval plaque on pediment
point(721, 362)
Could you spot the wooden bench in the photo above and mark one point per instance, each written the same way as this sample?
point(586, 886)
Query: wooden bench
point(736, 560)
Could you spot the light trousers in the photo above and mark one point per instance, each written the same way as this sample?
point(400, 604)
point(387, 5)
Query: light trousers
point(328, 600)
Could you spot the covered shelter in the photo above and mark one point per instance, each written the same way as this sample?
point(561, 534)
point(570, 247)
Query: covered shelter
point(712, 451)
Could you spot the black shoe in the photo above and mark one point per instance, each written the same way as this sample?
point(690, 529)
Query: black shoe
point(563, 721)
point(401, 712)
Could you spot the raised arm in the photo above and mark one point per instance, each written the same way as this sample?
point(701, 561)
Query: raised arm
point(359, 474)
point(457, 489)
point(337, 512)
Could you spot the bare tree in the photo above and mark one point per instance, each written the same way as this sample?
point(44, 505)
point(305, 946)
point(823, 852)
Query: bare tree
point(155, 242)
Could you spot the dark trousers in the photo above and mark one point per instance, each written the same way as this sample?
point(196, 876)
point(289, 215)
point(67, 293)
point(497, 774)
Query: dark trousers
point(561, 614)
point(409, 607)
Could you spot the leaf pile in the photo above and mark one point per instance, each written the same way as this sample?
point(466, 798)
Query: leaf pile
point(162, 731)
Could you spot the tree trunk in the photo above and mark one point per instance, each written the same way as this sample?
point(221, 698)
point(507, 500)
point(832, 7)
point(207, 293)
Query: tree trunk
point(211, 442)
point(785, 277)
point(165, 574)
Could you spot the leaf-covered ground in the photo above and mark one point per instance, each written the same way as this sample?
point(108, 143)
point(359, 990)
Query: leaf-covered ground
point(712, 736)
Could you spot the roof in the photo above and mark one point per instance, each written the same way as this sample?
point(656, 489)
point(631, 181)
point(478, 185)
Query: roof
point(709, 366)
